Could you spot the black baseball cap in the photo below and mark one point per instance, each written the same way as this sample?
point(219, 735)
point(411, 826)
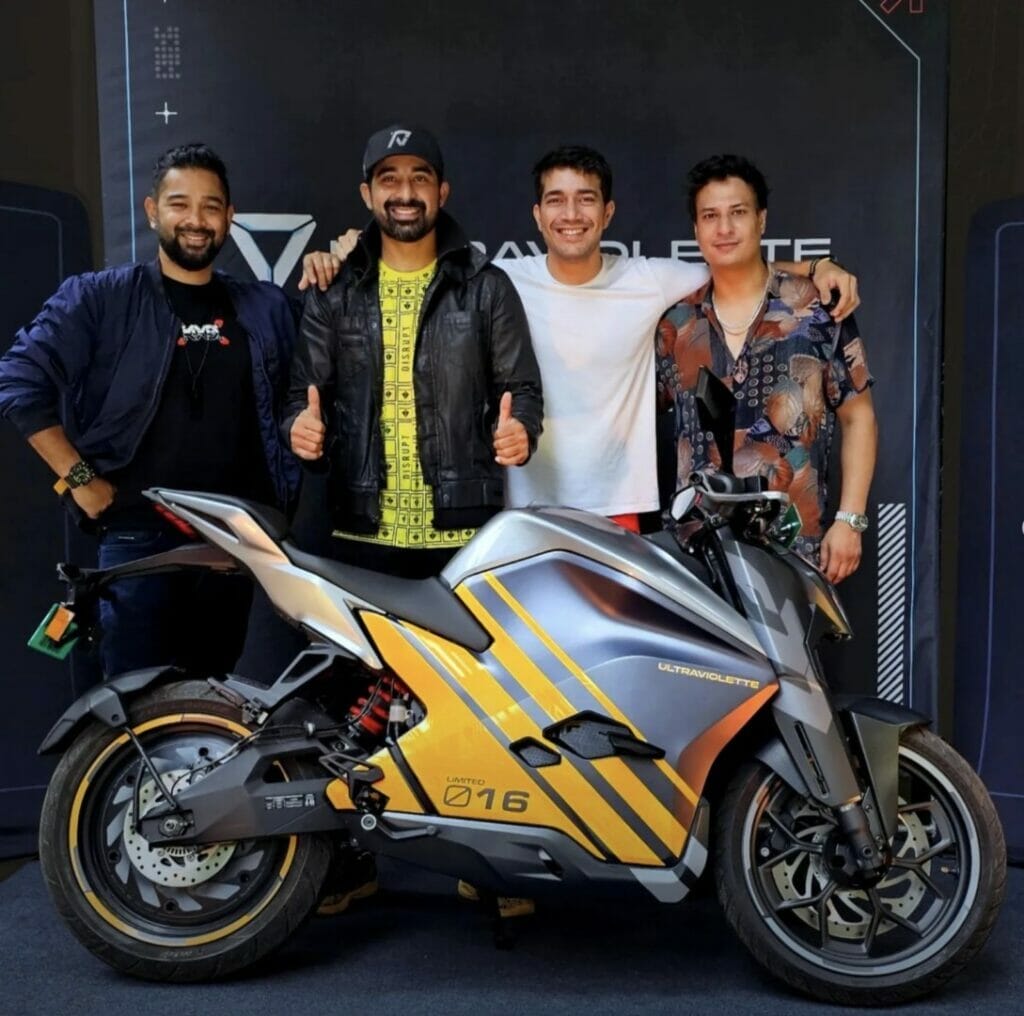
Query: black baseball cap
point(402, 139)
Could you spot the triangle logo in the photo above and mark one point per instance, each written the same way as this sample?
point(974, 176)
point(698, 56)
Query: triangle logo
point(246, 224)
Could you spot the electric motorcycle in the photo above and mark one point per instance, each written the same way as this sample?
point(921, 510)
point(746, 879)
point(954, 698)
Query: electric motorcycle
point(567, 708)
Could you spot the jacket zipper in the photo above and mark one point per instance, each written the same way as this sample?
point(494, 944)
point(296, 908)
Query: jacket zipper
point(259, 360)
point(428, 297)
point(165, 369)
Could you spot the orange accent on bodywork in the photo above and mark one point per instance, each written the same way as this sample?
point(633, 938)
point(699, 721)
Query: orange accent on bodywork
point(699, 755)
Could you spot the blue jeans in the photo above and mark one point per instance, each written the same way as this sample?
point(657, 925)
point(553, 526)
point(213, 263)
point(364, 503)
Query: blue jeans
point(195, 619)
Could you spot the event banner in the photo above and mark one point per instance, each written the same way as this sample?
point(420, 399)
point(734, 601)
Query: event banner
point(842, 105)
point(989, 695)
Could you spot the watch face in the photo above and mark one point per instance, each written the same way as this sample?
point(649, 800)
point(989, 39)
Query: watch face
point(80, 474)
point(853, 520)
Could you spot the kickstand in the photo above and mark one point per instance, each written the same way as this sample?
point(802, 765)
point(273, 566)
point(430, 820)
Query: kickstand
point(501, 927)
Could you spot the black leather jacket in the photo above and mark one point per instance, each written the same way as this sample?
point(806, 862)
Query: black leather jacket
point(472, 345)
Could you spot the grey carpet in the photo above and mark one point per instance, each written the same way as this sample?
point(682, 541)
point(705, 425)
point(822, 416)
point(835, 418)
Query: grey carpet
point(416, 949)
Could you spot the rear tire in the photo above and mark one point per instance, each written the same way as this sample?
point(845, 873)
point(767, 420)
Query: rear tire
point(902, 939)
point(174, 913)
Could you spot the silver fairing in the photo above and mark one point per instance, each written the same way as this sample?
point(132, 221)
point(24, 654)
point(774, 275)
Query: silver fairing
point(510, 537)
point(526, 532)
point(307, 599)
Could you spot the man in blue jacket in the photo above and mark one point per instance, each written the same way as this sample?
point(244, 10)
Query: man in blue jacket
point(163, 373)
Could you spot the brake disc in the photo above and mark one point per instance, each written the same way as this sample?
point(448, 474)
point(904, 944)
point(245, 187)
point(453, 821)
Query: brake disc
point(179, 866)
point(849, 910)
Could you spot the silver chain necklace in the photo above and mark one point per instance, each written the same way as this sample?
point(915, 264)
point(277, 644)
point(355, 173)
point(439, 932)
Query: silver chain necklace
point(744, 328)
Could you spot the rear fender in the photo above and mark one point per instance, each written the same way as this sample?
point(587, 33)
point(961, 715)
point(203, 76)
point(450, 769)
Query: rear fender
point(106, 703)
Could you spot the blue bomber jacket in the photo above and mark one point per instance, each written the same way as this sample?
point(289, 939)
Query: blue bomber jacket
point(96, 357)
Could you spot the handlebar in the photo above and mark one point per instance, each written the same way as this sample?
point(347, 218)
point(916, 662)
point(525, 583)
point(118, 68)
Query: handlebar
point(724, 499)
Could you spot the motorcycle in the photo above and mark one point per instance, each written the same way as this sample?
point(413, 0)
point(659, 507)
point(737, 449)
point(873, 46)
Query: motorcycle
point(568, 708)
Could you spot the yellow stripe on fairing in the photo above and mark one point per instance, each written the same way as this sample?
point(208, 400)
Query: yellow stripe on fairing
point(630, 788)
point(565, 779)
point(451, 746)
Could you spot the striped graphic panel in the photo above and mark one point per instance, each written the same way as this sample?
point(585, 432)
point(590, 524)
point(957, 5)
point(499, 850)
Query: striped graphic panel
point(892, 600)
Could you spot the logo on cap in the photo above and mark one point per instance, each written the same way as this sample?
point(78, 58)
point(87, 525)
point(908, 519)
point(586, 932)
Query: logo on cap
point(399, 138)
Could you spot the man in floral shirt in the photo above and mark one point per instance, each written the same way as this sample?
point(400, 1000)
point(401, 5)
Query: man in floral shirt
point(794, 371)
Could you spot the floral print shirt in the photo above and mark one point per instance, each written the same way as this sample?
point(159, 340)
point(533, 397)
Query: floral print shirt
point(796, 367)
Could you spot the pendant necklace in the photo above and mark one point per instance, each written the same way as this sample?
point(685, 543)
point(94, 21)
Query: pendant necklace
point(207, 334)
point(738, 329)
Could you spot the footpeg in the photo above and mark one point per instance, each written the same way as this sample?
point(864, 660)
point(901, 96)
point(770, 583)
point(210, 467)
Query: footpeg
point(375, 824)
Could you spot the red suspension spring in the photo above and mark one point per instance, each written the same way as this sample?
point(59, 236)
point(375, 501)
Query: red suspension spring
point(371, 711)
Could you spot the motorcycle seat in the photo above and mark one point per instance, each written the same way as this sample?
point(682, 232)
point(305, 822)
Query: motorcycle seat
point(427, 603)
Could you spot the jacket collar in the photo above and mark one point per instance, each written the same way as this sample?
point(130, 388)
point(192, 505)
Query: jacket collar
point(455, 254)
point(155, 275)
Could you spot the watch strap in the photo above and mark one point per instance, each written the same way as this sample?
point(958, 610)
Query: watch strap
point(78, 475)
point(855, 520)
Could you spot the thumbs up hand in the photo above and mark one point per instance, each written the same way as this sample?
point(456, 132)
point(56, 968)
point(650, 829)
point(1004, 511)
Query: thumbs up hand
point(307, 433)
point(511, 442)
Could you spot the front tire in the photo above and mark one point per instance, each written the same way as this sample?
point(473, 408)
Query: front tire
point(168, 913)
point(898, 940)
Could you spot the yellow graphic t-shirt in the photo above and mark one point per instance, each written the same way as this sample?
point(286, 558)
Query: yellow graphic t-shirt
point(406, 502)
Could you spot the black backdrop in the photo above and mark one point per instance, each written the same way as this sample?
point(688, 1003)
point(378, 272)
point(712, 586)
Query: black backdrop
point(989, 697)
point(44, 237)
point(842, 105)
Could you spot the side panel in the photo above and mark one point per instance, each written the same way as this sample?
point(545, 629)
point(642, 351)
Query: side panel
point(571, 636)
point(459, 752)
point(576, 636)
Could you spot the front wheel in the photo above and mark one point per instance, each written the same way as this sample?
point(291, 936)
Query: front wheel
point(168, 913)
point(876, 945)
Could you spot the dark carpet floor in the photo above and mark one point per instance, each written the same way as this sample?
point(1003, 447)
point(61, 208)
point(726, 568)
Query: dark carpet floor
point(416, 949)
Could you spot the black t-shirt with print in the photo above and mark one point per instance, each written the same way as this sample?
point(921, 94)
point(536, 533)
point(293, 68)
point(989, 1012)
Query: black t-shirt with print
point(204, 435)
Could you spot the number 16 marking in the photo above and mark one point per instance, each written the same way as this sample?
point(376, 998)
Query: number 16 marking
point(511, 800)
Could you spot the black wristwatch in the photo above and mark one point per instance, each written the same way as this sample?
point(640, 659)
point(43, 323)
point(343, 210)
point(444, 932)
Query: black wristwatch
point(78, 475)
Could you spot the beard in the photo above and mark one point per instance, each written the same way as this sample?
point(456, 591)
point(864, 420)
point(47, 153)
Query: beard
point(405, 231)
point(190, 260)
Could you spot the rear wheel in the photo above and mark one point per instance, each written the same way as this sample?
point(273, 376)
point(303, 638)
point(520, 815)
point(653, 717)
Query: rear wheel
point(168, 913)
point(782, 887)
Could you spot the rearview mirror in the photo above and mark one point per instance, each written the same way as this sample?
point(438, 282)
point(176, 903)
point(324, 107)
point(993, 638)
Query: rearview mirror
point(682, 502)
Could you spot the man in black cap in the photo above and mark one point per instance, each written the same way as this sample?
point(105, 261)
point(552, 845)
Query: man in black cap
point(413, 384)
point(414, 381)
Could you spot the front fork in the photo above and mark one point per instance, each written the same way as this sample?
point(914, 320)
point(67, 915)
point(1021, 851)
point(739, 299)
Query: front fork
point(791, 607)
point(864, 796)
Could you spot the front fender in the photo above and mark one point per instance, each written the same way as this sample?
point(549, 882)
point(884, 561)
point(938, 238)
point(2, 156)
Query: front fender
point(874, 727)
point(105, 703)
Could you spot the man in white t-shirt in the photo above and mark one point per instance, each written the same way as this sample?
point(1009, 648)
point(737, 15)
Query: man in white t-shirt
point(591, 318)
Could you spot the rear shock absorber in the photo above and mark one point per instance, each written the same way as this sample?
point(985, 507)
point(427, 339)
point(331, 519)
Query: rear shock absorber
point(373, 711)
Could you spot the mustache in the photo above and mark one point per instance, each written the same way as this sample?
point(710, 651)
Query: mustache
point(208, 233)
point(395, 203)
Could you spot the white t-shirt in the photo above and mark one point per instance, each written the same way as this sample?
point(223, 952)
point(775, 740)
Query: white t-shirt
point(595, 347)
